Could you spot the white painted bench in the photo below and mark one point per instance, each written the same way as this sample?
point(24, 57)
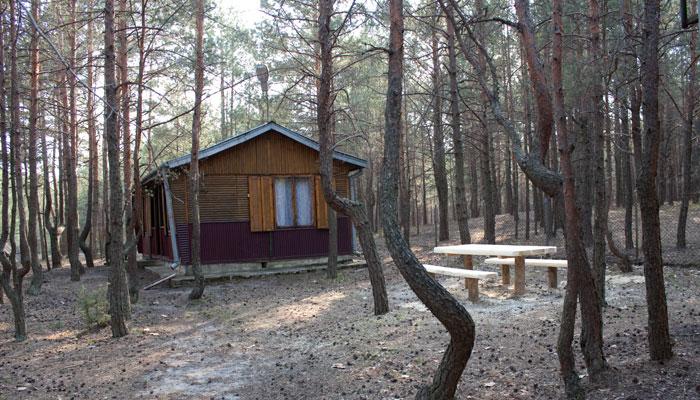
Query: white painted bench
point(550, 264)
point(471, 277)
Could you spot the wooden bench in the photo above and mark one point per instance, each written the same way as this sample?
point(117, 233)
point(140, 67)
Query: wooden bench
point(550, 264)
point(471, 277)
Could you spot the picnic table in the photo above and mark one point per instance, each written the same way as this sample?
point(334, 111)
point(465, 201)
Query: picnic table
point(517, 252)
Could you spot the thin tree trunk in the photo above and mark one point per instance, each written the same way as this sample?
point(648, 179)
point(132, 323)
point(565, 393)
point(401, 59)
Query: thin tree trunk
point(687, 142)
point(33, 197)
point(12, 277)
point(71, 161)
point(137, 206)
point(92, 157)
point(198, 289)
point(125, 99)
point(457, 141)
point(439, 168)
point(600, 223)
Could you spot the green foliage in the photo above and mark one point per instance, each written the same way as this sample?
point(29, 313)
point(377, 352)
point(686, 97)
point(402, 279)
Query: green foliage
point(93, 306)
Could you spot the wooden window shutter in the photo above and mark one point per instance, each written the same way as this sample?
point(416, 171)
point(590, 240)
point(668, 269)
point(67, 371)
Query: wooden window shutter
point(261, 204)
point(321, 205)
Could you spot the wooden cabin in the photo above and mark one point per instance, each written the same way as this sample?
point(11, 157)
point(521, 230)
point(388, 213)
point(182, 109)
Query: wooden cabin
point(260, 200)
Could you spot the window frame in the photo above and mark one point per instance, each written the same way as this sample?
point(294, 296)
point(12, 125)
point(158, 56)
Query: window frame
point(294, 178)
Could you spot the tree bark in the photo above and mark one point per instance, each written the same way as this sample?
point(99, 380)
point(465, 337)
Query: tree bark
point(445, 307)
point(198, 289)
point(658, 335)
point(119, 307)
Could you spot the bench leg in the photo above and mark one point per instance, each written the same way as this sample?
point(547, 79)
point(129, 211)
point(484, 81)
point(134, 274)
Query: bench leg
point(519, 276)
point(473, 289)
point(468, 264)
point(552, 277)
point(505, 274)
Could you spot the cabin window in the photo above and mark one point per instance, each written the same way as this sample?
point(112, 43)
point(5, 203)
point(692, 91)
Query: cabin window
point(293, 202)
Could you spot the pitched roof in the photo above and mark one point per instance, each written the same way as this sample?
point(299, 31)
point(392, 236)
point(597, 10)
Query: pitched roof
point(252, 134)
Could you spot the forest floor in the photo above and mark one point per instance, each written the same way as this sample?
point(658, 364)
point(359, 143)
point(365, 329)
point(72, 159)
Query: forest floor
point(303, 336)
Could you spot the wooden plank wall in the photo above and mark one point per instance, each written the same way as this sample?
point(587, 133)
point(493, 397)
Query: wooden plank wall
point(224, 192)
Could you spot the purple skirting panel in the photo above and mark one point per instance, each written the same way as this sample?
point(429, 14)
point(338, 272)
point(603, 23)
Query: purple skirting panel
point(223, 242)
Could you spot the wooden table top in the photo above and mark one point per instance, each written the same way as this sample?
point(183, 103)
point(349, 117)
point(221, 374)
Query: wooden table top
point(495, 250)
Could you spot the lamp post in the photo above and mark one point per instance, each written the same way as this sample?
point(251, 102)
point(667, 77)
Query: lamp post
point(263, 74)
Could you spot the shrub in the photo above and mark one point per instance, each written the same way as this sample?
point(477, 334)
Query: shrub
point(93, 306)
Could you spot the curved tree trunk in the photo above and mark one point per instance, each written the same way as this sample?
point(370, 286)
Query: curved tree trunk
point(353, 209)
point(446, 308)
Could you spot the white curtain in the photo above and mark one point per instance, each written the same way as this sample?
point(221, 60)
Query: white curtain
point(284, 214)
point(304, 202)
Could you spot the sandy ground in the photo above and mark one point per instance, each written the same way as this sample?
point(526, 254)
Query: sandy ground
point(304, 337)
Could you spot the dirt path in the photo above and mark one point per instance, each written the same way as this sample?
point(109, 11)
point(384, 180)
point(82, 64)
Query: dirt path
point(304, 337)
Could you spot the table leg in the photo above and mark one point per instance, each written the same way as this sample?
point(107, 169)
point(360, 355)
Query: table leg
point(505, 273)
point(519, 275)
point(552, 277)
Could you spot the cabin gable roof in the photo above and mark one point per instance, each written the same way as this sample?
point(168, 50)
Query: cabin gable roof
point(258, 131)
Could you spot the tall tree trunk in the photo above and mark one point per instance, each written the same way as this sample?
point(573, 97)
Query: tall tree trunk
point(488, 192)
point(119, 307)
point(439, 168)
point(659, 337)
point(198, 289)
point(578, 273)
point(457, 140)
point(92, 157)
point(137, 206)
point(600, 223)
point(687, 142)
point(125, 99)
point(324, 119)
point(71, 151)
point(33, 198)
point(445, 307)
point(12, 277)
